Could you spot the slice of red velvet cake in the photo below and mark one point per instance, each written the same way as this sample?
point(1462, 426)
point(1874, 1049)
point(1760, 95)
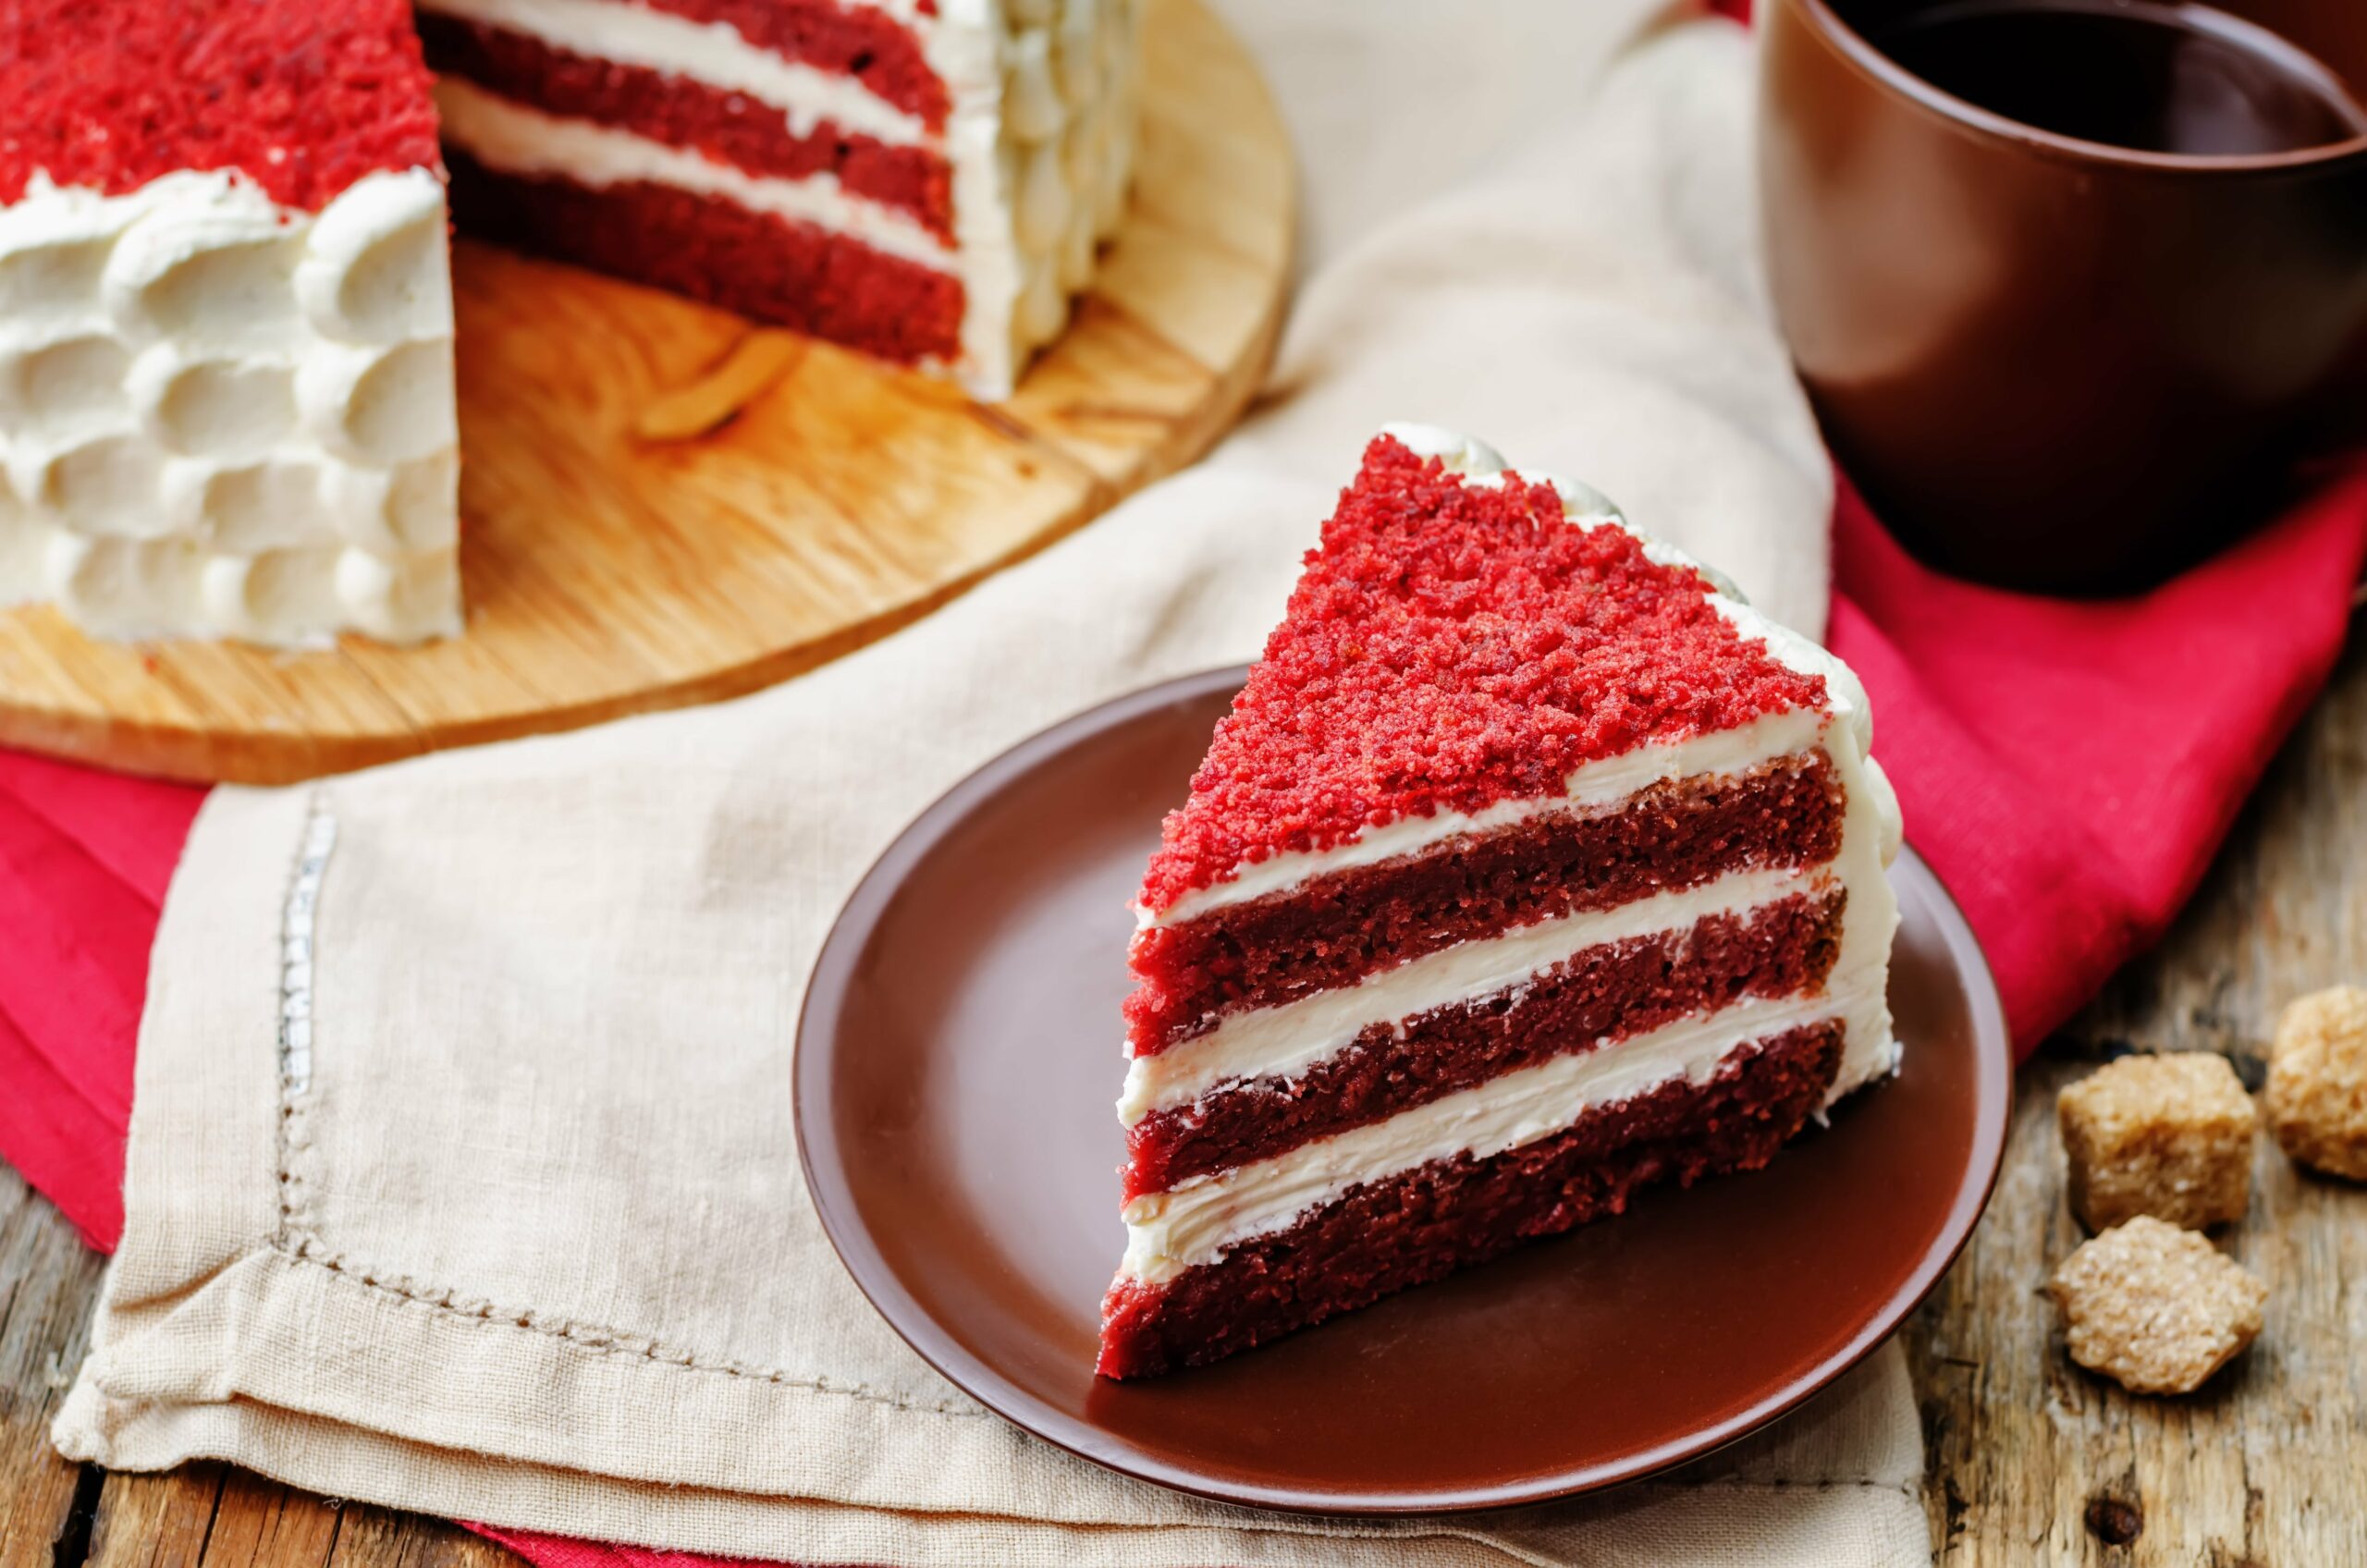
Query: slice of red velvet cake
point(921, 179)
point(1530, 867)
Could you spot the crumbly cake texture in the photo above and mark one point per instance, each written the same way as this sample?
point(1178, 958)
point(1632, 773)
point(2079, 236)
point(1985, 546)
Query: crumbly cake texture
point(302, 98)
point(1605, 993)
point(788, 274)
point(1576, 887)
point(2317, 1096)
point(725, 126)
point(1413, 1227)
point(2156, 1308)
point(2167, 1135)
point(1273, 950)
point(861, 41)
point(1450, 646)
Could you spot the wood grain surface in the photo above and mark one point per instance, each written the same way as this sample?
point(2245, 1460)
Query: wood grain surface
point(663, 505)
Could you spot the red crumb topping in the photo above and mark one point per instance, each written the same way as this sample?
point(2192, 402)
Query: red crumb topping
point(860, 42)
point(303, 96)
point(1449, 646)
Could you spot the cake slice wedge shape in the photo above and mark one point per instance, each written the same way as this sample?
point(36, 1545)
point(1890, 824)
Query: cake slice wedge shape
point(1531, 867)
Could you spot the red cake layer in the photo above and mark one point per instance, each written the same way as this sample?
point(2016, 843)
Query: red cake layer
point(1602, 995)
point(1422, 1224)
point(1339, 928)
point(304, 98)
point(858, 40)
point(756, 264)
point(730, 127)
point(1450, 646)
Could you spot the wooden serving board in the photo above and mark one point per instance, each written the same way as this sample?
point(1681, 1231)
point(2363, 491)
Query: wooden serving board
point(663, 505)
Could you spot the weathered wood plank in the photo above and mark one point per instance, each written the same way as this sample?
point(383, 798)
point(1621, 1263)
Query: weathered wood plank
point(2032, 1459)
point(53, 1515)
point(47, 1282)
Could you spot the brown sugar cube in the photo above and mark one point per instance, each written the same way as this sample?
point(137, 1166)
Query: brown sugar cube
point(2155, 1308)
point(2317, 1082)
point(2165, 1136)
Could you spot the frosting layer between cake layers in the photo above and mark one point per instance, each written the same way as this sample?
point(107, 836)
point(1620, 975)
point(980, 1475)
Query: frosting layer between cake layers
point(1198, 1220)
point(1277, 1054)
point(926, 182)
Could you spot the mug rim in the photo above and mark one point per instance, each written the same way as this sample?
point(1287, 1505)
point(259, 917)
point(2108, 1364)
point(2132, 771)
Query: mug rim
point(1890, 76)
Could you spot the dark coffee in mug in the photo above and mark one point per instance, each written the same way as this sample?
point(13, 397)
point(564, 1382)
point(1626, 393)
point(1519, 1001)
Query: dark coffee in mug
point(2157, 75)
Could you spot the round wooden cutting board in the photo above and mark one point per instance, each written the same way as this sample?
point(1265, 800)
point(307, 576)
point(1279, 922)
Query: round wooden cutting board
point(664, 505)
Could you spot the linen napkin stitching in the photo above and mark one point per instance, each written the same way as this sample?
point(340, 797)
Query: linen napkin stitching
point(296, 950)
point(299, 910)
point(299, 1240)
point(595, 1337)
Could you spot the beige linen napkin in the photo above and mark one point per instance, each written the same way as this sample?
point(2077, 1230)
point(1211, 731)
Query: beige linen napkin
point(507, 1222)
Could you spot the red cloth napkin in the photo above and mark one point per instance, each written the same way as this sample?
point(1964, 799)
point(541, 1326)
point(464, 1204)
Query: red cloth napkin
point(84, 857)
point(558, 1551)
point(2070, 769)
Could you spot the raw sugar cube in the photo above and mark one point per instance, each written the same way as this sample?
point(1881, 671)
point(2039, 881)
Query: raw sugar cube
point(2155, 1308)
point(2165, 1136)
point(2317, 1082)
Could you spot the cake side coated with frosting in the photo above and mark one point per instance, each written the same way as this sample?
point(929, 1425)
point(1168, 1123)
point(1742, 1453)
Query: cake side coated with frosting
point(227, 399)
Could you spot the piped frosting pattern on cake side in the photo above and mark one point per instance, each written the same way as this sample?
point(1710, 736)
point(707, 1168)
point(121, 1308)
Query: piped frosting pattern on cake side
point(221, 416)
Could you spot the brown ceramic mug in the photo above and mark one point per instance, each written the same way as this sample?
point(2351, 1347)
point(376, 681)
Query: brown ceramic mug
point(2052, 363)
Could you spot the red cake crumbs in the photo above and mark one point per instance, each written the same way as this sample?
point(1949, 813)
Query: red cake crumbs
point(729, 127)
point(860, 42)
point(303, 97)
point(1449, 646)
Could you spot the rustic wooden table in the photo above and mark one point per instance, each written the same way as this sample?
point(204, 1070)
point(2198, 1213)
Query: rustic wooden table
point(2030, 1458)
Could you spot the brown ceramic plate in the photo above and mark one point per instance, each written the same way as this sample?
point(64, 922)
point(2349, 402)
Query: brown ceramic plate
point(957, 1062)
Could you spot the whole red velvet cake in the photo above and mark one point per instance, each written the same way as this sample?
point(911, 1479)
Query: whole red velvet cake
point(226, 393)
point(1531, 866)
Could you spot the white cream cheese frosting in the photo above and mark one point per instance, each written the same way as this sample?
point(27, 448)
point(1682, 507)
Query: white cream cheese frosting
point(220, 417)
point(1592, 786)
point(1286, 1040)
point(712, 53)
point(1200, 1220)
point(529, 142)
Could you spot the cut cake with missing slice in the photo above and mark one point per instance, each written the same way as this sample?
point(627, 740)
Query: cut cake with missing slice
point(1530, 867)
